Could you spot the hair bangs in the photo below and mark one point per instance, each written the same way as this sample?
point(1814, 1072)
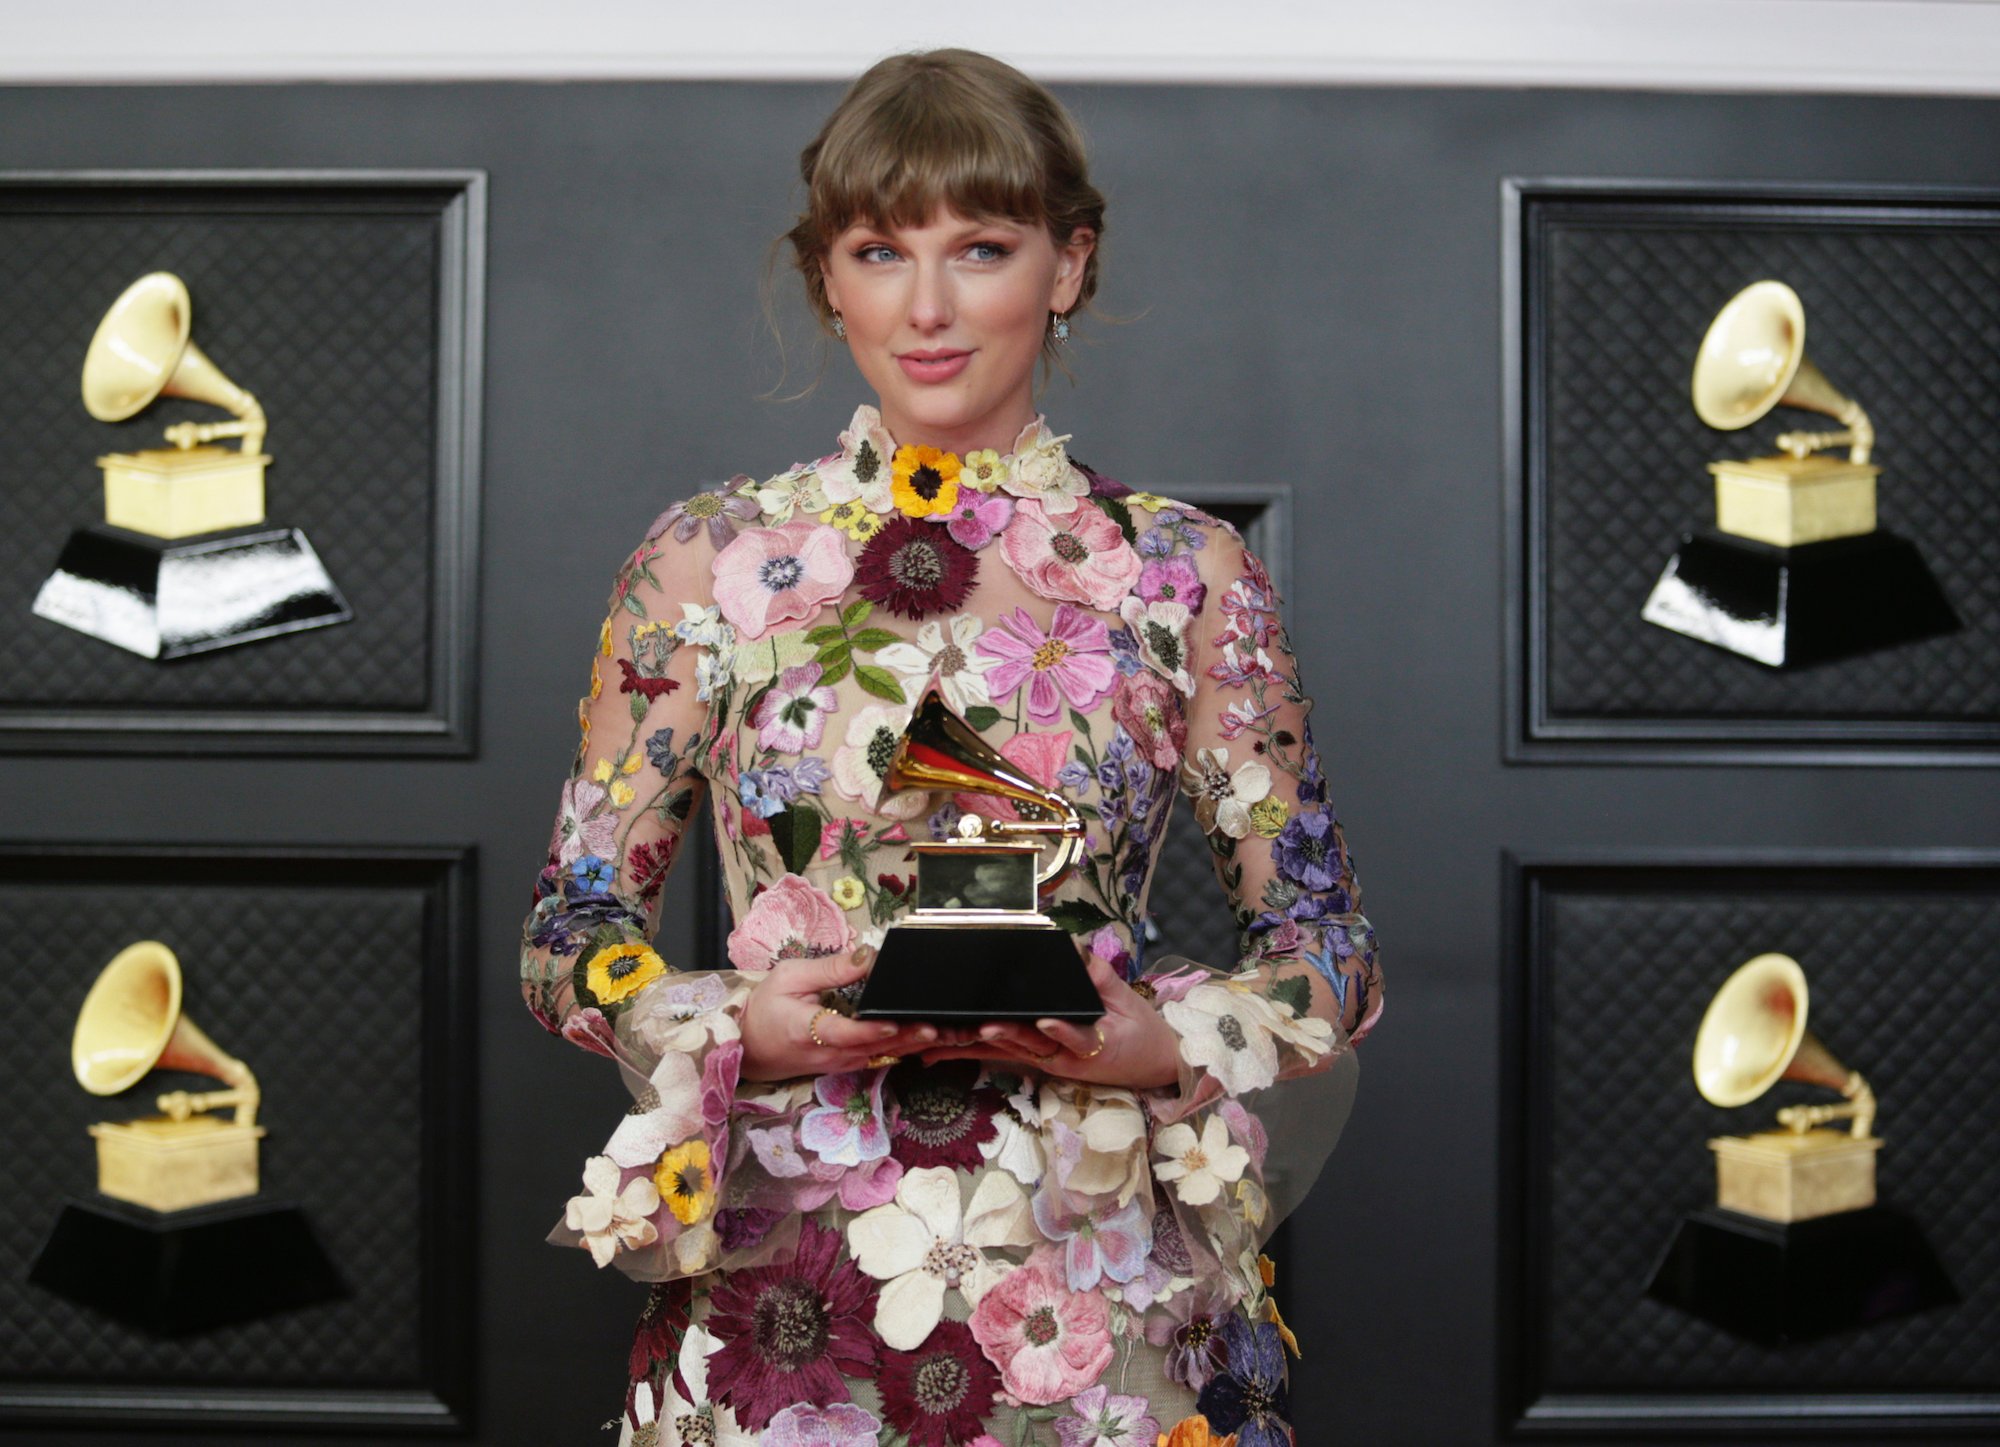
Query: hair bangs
point(920, 158)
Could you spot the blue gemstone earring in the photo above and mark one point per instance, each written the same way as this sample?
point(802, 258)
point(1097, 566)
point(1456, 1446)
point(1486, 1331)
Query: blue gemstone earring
point(839, 327)
point(1059, 324)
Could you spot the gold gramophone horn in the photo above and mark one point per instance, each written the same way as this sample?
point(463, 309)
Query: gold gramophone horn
point(1753, 358)
point(144, 348)
point(939, 750)
point(1754, 1034)
point(131, 1023)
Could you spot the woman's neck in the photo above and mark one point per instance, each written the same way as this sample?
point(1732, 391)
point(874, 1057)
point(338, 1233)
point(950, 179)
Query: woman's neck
point(996, 430)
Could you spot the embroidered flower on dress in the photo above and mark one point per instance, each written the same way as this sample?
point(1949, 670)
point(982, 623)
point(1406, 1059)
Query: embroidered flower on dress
point(712, 510)
point(984, 470)
point(1145, 707)
point(804, 1425)
point(926, 481)
point(609, 1217)
point(1042, 470)
point(1107, 1242)
point(791, 716)
point(951, 658)
point(769, 576)
point(791, 920)
point(854, 519)
point(1308, 851)
point(848, 1126)
point(861, 765)
point(1249, 1397)
point(1104, 1420)
point(1049, 1341)
point(1162, 630)
point(792, 1332)
point(938, 1393)
point(861, 472)
point(915, 569)
point(1199, 1165)
point(623, 969)
point(944, 1115)
point(924, 1243)
point(1172, 580)
point(798, 491)
point(1077, 557)
point(978, 519)
point(694, 1419)
point(1222, 799)
point(684, 1181)
point(1069, 662)
point(667, 1110)
point(1194, 1432)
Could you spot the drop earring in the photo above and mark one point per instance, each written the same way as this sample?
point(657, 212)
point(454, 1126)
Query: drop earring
point(1059, 326)
point(839, 327)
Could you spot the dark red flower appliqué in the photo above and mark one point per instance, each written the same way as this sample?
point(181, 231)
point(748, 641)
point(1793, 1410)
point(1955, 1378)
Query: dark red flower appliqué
point(637, 682)
point(944, 1115)
point(915, 569)
point(939, 1394)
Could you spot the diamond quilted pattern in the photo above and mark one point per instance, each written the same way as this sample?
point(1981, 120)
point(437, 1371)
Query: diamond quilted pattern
point(1905, 317)
point(313, 978)
point(330, 320)
point(1897, 961)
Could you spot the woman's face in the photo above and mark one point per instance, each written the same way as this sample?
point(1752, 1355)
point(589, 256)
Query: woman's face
point(946, 321)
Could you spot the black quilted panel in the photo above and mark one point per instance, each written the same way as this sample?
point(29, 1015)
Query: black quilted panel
point(1899, 964)
point(331, 320)
point(1905, 317)
point(311, 972)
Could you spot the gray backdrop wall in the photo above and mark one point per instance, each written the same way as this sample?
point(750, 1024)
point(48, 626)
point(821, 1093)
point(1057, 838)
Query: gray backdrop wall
point(1313, 279)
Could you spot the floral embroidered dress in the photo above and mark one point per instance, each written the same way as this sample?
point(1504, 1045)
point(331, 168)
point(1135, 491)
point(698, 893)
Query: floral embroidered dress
point(970, 1252)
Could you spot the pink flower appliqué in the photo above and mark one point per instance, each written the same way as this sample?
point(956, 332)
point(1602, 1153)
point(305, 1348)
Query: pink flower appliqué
point(848, 1126)
point(791, 717)
point(1148, 710)
point(791, 920)
point(1173, 580)
point(1049, 1342)
point(978, 517)
point(769, 576)
point(1079, 557)
point(1070, 661)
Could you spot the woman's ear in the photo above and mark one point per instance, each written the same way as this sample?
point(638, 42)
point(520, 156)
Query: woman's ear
point(826, 284)
point(1070, 260)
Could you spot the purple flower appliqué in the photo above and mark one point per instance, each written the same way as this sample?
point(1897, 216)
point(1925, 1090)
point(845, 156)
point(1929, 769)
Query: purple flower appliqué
point(978, 517)
point(1097, 1244)
point(1307, 851)
point(1249, 1398)
point(1172, 580)
point(1104, 1420)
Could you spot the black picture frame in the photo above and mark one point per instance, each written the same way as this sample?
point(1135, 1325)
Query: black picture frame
point(1526, 1407)
point(444, 1341)
point(1535, 730)
point(432, 713)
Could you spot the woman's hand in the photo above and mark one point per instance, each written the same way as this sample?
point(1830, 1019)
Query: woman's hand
point(1131, 1045)
point(784, 1013)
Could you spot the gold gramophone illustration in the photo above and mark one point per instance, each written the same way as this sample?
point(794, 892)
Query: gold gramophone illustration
point(977, 946)
point(1796, 1245)
point(130, 1025)
point(178, 1238)
point(183, 562)
point(1795, 570)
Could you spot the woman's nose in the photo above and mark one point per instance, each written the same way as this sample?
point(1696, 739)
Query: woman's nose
point(930, 298)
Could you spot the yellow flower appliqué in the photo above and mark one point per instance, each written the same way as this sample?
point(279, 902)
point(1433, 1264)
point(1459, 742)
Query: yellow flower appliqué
point(620, 970)
point(622, 794)
point(926, 481)
point(983, 470)
point(854, 519)
point(848, 892)
point(684, 1181)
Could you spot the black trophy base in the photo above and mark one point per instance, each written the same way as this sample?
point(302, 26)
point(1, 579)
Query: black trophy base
point(1776, 1282)
point(176, 1272)
point(170, 597)
point(1790, 607)
point(931, 973)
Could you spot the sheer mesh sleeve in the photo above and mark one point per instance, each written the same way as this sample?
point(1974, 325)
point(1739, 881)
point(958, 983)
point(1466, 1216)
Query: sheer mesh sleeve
point(1266, 1040)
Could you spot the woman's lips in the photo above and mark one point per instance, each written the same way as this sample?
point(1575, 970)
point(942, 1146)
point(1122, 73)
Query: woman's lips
point(938, 369)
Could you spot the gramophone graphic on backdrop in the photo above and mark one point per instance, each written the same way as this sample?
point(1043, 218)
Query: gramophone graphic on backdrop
point(1795, 571)
point(178, 1238)
point(183, 562)
point(1796, 1245)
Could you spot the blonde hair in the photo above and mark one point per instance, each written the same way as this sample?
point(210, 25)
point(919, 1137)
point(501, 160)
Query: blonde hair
point(934, 128)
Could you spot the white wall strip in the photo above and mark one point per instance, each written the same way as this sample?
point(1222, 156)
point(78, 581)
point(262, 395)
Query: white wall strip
point(1884, 46)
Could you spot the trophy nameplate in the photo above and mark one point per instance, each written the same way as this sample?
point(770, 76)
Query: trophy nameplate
point(977, 946)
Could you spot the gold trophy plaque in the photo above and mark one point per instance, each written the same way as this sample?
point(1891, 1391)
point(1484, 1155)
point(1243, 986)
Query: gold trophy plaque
point(977, 946)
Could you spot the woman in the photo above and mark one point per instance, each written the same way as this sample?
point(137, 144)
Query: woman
point(864, 1232)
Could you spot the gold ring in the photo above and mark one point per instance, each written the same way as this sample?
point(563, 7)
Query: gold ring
point(1100, 1044)
point(813, 1028)
point(876, 1062)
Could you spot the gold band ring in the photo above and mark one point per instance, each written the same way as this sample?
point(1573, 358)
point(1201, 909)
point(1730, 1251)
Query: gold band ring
point(813, 1028)
point(876, 1062)
point(1100, 1044)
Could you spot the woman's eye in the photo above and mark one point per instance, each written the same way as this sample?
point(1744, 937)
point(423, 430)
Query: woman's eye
point(999, 252)
point(861, 253)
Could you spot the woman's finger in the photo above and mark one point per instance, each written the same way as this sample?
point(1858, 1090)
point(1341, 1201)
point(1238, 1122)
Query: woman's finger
point(808, 977)
point(1075, 1039)
point(835, 1031)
